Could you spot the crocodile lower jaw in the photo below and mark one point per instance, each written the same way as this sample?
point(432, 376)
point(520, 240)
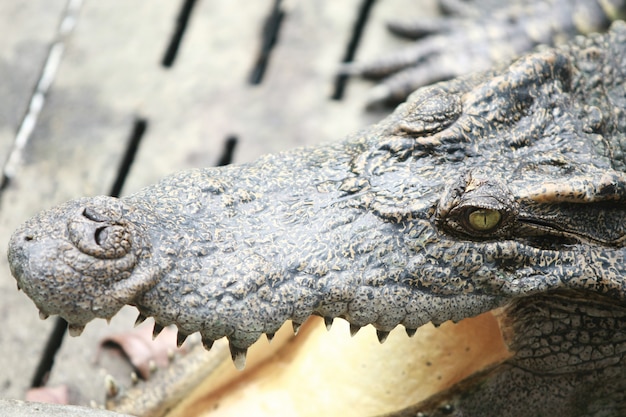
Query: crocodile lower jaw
point(367, 378)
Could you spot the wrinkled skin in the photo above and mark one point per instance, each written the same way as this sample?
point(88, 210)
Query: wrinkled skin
point(500, 189)
point(476, 35)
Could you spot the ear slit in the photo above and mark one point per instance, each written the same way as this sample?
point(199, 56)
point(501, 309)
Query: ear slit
point(584, 189)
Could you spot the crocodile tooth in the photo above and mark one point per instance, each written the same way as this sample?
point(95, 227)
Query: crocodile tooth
point(157, 330)
point(180, 338)
point(328, 322)
point(140, 319)
point(354, 329)
point(43, 315)
point(382, 335)
point(134, 378)
point(111, 386)
point(75, 329)
point(269, 336)
point(410, 332)
point(152, 366)
point(18, 287)
point(239, 356)
point(207, 343)
point(296, 327)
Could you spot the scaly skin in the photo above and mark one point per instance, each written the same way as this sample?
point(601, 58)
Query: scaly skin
point(476, 35)
point(500, 189)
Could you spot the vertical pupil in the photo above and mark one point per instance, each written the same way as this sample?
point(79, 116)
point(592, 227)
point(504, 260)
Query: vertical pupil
point(483, 219)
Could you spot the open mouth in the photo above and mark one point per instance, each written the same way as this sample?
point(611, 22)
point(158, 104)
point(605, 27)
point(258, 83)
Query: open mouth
point(367, 378)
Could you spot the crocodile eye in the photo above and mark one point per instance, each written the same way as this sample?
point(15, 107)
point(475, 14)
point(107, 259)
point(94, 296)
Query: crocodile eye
point(483, 220)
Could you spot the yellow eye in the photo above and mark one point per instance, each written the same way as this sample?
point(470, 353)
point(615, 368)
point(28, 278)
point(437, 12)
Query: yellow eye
point(484, 220)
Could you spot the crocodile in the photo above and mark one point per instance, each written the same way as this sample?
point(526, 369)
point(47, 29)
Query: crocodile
point(475, 35)
point(501, 190)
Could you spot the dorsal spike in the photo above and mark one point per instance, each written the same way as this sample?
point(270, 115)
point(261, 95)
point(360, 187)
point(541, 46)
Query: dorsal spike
point(238, 355)
point(382, 335)
point(157, 330)
point(354, 329)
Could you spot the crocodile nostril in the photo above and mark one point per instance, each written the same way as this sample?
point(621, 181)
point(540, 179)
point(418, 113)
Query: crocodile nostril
point(85, 213)
point(102, 240)
point(90, 215)
point(28, 238)
point(101, 235)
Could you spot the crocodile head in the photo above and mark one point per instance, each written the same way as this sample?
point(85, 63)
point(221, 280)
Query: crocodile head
point(477, 193)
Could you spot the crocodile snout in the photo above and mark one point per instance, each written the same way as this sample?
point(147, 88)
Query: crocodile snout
point(17, 253)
